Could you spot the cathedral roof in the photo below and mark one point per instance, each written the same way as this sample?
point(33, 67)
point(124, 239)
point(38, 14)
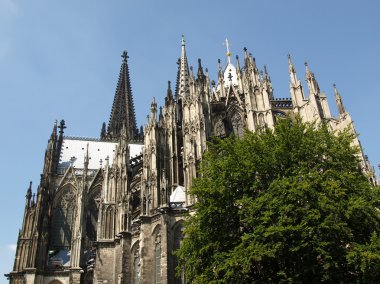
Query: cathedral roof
point(73, 151)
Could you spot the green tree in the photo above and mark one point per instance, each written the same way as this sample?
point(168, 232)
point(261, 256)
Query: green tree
point(283, 206)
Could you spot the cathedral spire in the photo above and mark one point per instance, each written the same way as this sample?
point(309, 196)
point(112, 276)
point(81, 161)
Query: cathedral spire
point(338, 100)
point(183, 79)
point(123, 111)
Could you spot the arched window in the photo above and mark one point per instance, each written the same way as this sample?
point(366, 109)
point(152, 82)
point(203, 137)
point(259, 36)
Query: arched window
point(63, 219)
point(108, 223)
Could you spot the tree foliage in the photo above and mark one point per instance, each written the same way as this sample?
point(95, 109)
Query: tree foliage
point(283, 206)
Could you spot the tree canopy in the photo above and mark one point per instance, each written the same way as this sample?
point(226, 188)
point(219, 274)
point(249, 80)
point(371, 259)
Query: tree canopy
point(288, 205)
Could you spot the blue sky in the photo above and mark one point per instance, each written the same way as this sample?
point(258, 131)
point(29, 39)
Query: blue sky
point(60, 60)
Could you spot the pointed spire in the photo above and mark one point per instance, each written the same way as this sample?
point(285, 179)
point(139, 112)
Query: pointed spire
point(220, 71)
point(338, 100)
point(246, 59)
point(153, 109)
point(308, 74)
point(169, 95)
point(29, 194)
point(123, 111)
point(252, 60)
point(292, 71)
point(103, 132)
point(191, 72)
point(228, 53)
point(266, 75)
point(86, 160)
point(183, 78)
point(311, 81)
point(160, 115)
point(54, 132)
point(237, 63)
point(200, 69)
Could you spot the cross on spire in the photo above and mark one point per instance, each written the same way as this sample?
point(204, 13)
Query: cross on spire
point(125, 56)
point(61, 127)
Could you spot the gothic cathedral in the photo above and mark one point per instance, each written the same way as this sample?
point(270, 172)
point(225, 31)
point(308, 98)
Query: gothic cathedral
point(111, 210)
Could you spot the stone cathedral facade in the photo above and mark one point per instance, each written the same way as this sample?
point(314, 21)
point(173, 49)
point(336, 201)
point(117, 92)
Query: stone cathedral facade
point(111, 210)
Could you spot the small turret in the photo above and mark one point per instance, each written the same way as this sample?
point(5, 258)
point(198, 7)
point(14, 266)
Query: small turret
point(338, 100)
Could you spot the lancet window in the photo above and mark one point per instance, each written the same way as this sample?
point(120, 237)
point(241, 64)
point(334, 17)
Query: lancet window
point(237, 124)
point(92, 213)
point(63, 218)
